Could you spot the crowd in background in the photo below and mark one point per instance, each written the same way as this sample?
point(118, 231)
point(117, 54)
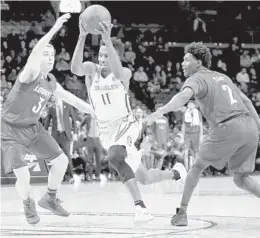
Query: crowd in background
point(155, 61)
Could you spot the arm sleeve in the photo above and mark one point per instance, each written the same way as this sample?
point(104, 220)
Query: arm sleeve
point(198, 86)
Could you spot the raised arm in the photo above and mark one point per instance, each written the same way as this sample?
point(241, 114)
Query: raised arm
point(32, 67)
point(79, 67)
point(122, 73)
point(73, 100)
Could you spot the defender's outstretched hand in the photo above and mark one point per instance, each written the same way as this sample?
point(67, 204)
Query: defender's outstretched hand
point(61, 20)
point(153, 117)
point(83, 28)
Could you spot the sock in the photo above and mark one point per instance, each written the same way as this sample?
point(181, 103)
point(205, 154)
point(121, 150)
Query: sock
point(26, 201)
point(52, 192)
point(183, 208)
point(140, 203)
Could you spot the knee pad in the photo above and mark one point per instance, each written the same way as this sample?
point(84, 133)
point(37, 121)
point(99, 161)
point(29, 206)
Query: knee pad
point(116, 157)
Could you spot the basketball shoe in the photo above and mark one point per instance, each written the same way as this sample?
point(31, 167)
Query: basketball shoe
point(30, 211)
point(142, 215)
point(180, 218)
point(52, 204)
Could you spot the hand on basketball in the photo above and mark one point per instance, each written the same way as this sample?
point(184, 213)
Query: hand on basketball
point(105, 30)
point(61, 20)
point(83, 29)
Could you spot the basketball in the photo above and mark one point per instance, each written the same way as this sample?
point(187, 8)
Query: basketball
point(93, 15)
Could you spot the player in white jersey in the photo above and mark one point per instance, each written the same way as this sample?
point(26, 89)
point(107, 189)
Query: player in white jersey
point(107, 85)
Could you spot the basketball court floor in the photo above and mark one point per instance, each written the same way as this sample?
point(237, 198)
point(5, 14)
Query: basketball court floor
point(217, 209)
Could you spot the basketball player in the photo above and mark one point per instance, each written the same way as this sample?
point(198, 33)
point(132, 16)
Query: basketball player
point(107, 85)
point(233, 120)
point(22, 132)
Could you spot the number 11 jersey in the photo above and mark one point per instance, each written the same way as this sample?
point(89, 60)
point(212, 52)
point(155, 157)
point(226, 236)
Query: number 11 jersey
point(218, 98)
point(26, 101)
point(109, 98)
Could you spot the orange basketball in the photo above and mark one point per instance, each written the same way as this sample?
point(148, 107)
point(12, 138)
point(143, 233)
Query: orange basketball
point(93, 15)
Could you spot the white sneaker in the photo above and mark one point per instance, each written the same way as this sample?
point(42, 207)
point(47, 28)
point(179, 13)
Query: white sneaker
point(103, 180)
point(142, 215)
point(183, 172)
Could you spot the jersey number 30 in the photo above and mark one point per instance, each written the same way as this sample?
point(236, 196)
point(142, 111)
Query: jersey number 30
point(38, 107)
point(229, 91)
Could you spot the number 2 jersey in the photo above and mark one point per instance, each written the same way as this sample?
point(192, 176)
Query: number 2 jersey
point(218, 98)
point(109, 99)
point(26, 101)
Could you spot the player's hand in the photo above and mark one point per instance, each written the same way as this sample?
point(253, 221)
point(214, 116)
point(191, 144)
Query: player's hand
point(105, 30)
point(61, 20)
point(153, 117)
point(83, 29)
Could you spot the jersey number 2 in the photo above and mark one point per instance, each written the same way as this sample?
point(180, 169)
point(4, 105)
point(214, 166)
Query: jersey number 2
point(229, 91)
point(106, 99)
point(38, 108)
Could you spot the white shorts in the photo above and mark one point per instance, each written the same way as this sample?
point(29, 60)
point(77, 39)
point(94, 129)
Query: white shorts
point(122, 132)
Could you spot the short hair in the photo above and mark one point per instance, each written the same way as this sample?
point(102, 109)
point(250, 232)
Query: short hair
point(200, 52)
point(117, 43)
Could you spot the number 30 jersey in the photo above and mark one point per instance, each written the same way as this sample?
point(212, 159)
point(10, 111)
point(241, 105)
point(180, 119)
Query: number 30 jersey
point(109, 98)
point(218, 98)
point(25, 102)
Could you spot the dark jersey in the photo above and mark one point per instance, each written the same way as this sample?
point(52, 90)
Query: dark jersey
point(26, 101)
point(216, 95)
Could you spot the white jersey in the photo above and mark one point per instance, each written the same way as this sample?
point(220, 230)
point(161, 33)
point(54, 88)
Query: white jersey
point(116, 122)
point(109, 99)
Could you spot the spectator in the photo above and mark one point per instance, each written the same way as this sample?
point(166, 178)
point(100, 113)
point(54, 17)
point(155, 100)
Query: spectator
point(62, 60)
point(22, 36)
point(13, 40)
point(49, 20)
point(7, 90)
point(12, 76)
point(243, 78)
point(130, 56)
point(5, 47)
point(140, 76)
point(169, 69)
point(159, 74)
point(245, 60)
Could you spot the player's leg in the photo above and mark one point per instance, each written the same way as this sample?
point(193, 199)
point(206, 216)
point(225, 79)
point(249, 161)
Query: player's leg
point(98, 157)
point(150, 176)
point(13, 158)
point(116, 157)
point(191, 182)
point(45, 147)
point(242, 163)
point(65, 145)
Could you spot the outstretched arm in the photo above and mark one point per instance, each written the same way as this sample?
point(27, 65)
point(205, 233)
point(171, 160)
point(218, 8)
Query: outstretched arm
point(32, 67)
point(179, 100)
point(73, 100)
point(77, 66)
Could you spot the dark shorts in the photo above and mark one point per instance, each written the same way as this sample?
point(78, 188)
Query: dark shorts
point(18, 141)
point(234, 142)
point(192, 141)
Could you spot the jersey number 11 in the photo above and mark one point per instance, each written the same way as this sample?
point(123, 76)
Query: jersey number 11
point(106, 99)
